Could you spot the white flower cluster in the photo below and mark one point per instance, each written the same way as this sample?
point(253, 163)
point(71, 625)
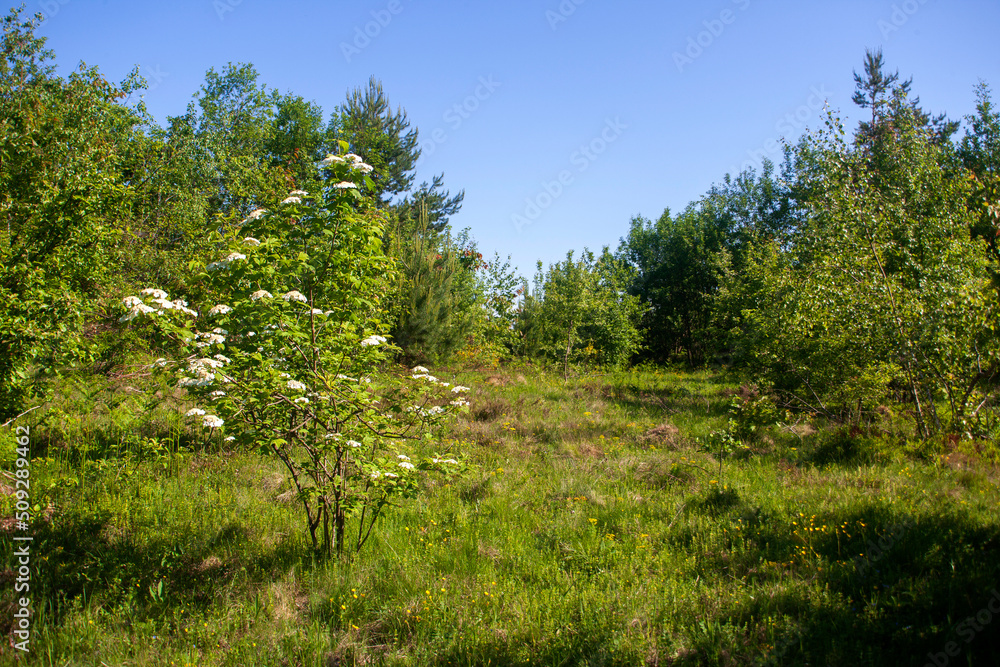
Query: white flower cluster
point(223, 264)
point(219, 309)
point(251, 241)
point(211, 421)
point(295, 385)
point(424, 376)
point(161, 300)
point(372, 340)
point(261, 294)
point(294, 296)
point(254, 215)
point(352, 160)
point(451, 461)
point(460, 402)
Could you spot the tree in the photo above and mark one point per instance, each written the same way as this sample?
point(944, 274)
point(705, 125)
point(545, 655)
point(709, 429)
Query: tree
point(63, 195)
point(883, 286)
point(380, 136)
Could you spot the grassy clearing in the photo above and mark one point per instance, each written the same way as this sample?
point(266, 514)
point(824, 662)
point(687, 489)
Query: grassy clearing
point(592, 529)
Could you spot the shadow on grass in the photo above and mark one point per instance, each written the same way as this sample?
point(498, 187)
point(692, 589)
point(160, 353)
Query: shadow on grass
point(84, 555)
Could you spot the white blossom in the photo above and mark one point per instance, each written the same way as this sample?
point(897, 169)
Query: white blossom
point(391, 475)
point(297, 193)
point(406, 465)
point(419, 369)
point(219, 309)
point(353, 158)
point(294, 295)
point(165, 304)
point(217, 266)
point(372, 340)
point(295, 385)
point(353, 443)
point(229, 438)
point(330, 159)
point(402, 457)
point(154, 292)
point(461, 402)
point(131, 301)
point(251, 241)
point(194, 412)
point(260, 294)
point(301, 399)
point(140, 309)
point(376, 474)
point(364, 168)
point(234, 257)
point(217, 394)
point(223, 358)
point(211, 421)
point(291, 200)
point(254, 215)
point(458, 389)
point(345, 185)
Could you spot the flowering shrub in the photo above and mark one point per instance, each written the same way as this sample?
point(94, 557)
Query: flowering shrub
point(283, 355)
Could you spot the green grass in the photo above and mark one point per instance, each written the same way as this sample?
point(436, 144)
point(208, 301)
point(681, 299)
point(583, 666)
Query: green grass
point(593, 529)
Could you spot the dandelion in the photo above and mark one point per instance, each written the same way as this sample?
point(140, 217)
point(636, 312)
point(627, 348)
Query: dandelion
point(154, 292)
point(372, 340)
point(211, 421)
point(260, 294)
point(345, 185)
point(458, 389)
point(291, 200)
point(419, 369)
point(235, 257)
point(295, 385)
point(219, 309)
point(405, 465)
point(131, 301)
point(294, 296)
point(194, 412)
point(251, 241)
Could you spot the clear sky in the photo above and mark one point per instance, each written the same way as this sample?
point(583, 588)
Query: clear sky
point(573, 115)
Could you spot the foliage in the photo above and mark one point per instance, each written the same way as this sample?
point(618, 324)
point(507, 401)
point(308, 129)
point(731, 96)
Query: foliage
point(64, 144)
point(882, 288)
point(286, 358)
point(580, 306)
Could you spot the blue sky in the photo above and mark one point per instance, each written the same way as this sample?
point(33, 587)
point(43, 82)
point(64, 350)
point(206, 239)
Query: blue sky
point(560, 120)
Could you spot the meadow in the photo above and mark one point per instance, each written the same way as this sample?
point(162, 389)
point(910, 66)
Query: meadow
point(605, 519)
